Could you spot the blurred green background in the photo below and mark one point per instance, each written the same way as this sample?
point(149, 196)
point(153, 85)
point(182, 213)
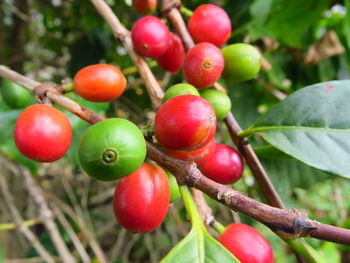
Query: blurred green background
point(303, 42)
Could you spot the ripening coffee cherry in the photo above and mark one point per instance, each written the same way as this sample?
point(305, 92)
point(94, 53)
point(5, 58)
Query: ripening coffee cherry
point(150, 36)
point(141, 199)
point(210, 23)
point(185, 123)
point(43, 133)
point(174, 56)
point(178, 90)
point(99, 83)
point(111, 149)
point(14, 95)
point(144, 7)
point(242, 62)
point(220, 102)
point(203, 65)
point(246, 244)
point(224, 166)
point(197, 156)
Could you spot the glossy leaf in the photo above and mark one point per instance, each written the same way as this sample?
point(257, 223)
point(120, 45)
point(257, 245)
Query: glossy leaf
point(312, 125)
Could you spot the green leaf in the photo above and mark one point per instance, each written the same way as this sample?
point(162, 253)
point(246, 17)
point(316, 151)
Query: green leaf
point(215, 252)
point(294, 17)
point(198, 246)
point(312, 125)
point(1, 255)
point(185, 251)
point(346, 28)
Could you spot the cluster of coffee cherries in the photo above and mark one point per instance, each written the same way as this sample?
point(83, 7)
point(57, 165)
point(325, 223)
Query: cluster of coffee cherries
point(184, 126)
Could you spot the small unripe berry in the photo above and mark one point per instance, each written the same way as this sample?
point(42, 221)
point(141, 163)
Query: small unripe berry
point(178, 90)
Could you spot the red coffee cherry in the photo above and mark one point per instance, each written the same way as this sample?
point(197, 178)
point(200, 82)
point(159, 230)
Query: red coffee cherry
point(203, 65)
point(150, 37)
point(246, 244)
point(186, 123)
point(99, 83)
point(197, 156)
point(144, 7)
point(141, 199)
point(173, 58)
point(43, 133)
point(224, 166)
point(210, 23)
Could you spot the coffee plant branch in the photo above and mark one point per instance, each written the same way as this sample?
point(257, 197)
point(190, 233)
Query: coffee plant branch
point(170, 10)
point(155, 92)
point(288, 223)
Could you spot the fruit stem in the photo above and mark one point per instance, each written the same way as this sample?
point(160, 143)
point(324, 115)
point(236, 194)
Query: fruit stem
point(195, 218)
point(305, 250)
point(246, 133)
point(218, 227)
point(68, 87)
point(133, 69)
point(186, 12)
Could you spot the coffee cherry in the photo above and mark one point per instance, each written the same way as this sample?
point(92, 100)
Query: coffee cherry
point(111, 149)
point(99, 83)
point(246, 244)
point(14, 95)
point(203, 65)
point(174, 188)
point(144, 7)
point(185, 123)
point(220, 102)
point(242, 62)
point(197, 156)
point(151, 38)
point(43, 133)
point(178, 90)
point(173, 57)
point(141, 199)
point(210, 23)
point(224, 166)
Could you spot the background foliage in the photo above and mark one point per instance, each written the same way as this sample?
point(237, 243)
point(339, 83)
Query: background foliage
point(305, 42)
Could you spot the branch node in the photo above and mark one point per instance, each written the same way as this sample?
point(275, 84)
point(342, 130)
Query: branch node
point(166, 6)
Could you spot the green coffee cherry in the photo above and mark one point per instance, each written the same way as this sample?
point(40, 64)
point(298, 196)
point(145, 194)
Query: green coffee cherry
point(178, 90)
point(242, 62)
point(220, 102)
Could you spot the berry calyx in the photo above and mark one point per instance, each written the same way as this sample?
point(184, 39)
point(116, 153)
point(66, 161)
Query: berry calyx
point(99, 83)
point(203, 65)
point(178, 90)
point(246, 244)
point(111, 149)
point(141, 199)
point(185, 123)
point(242, 62)
point(220, 102)
point(173, 57)
point(43, 133)
point(224, 166)
point(210, 23)
point(144, 7)
point(151, 38)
